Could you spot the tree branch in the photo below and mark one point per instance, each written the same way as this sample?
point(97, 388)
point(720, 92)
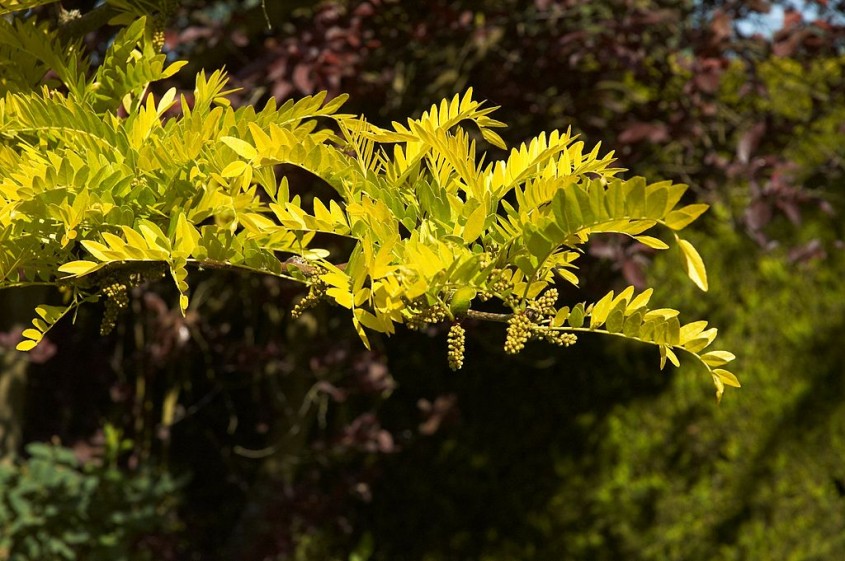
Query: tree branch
point(90, 21)
point(488, 316)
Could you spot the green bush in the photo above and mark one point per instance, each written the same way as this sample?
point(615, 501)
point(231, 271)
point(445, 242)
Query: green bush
point(54, 508)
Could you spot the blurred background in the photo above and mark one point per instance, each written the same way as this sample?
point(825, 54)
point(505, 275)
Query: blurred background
point(237, 433)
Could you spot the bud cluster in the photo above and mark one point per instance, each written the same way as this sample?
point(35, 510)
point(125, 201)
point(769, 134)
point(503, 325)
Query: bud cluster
point(316, 293)
point(518, 333)
point(431, 314)
point(532, 323)
point(545, 304)
point(484, 260)
point(117, 299)
point(457, 344)
point(559, 338)
point(160, 21)
point(115, 287)
point(496, 282)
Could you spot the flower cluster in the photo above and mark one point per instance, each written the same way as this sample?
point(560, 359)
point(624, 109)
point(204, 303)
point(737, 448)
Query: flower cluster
point(431, 314)
point(520, 328)
point(545, 304)
point(560, 338)
point(532, 323)
point(117, 299)
point(115, 287)
point(457, 343)
point(316, 293)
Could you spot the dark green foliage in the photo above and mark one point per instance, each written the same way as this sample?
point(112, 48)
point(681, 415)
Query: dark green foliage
point(53, 508)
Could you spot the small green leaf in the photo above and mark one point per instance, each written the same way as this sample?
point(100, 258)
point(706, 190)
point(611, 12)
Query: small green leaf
point(461, 300)
point(560, 317)
point(576, 316)
point(615, 321)
point(50, 314)
point(538, 245)
point(656, 198)
point(632, 325)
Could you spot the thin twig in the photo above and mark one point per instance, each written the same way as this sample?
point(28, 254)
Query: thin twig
point(488, 316)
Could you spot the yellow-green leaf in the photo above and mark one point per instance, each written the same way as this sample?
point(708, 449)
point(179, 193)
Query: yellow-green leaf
point(694, 264)
point(720, 387)
point(98, 250)
point(600, 310)
point(560, 316)
point(662, 313)
point(672, 357)
point(701, 341)
point(133, 238)
point(343, 296)
point(79, 268)
point(651, 242)
point(241, 147)
point(576, 316)
point(187, 236)
point(639, 301)
point(692, 330)
point(681, 218)
point(26, 345)
point(461, 300)
point(32, 334)
point(475, 224)
point(615, 321)
point(359, 329)
point(632, 325)
point(727, 378)
point(567, 275)
point(717, 358)
point(234, 169)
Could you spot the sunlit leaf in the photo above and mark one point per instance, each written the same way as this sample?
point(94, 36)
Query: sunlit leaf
point(694, 264)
